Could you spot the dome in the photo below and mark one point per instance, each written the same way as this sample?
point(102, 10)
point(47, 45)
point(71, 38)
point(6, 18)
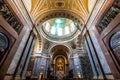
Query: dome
point(59, 29)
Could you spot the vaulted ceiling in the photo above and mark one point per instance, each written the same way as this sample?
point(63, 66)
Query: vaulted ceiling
point(42, 10)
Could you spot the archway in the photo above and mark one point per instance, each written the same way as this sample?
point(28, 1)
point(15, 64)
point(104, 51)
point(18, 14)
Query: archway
point(60, 61)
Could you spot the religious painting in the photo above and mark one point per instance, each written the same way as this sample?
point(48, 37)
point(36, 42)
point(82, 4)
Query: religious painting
point(60, 64)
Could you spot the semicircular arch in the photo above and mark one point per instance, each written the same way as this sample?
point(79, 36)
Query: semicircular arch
point(59, 13)
point(67, 49)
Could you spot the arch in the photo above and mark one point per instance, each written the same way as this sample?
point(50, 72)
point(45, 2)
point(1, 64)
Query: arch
point(91, 4)
point(114, 43)
point(60, 65)
point(4, 42)
point(66, 61)
point(60, 60)
point(67, 47)
point(28, 4)
point(46, 15)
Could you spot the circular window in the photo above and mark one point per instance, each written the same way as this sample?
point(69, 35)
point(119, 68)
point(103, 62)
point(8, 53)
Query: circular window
point(3, 42)
point(59, 29)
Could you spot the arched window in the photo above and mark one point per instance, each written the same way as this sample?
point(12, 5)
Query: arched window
point(53, 30)
point(3, 42)
point(47, 26)
point(115, 45)
point(67, 30)
point(60, 31)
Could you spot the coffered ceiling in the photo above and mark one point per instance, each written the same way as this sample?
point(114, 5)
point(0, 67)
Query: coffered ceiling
point(77, 10)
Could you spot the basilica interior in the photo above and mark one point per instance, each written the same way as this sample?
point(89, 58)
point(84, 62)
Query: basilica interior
point(59, 39)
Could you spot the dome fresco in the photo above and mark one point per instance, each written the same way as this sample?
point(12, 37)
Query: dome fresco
point(59, 30)
point(59, 27)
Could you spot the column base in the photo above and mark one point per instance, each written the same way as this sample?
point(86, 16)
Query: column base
point(110, 77)
point(100, 77)
point(17, 77)
point(8, 77)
